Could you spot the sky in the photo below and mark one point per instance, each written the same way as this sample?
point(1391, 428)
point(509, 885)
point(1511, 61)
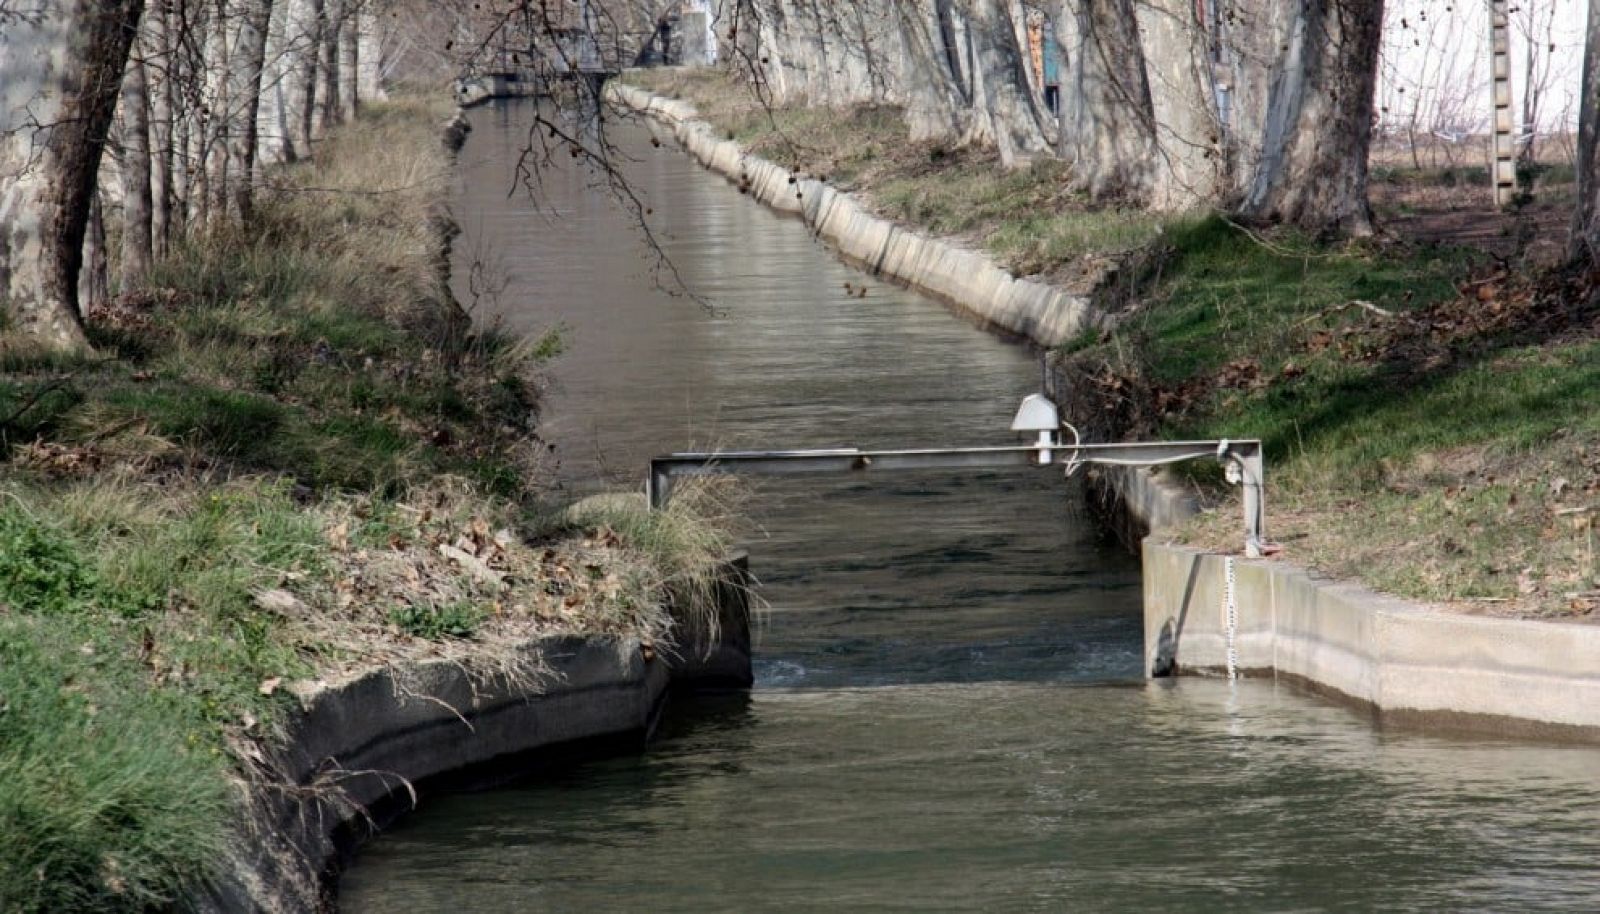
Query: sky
point(1437, 51)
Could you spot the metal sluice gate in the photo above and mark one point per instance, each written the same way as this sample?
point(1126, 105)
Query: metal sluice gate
point(1242, 459)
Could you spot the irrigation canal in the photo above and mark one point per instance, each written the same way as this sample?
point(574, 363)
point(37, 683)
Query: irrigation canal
point(949, 711)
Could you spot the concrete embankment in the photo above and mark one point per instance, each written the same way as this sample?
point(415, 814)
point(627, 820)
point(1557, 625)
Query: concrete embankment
point(1402, 661)
point(1045, 314)
point(359, 754)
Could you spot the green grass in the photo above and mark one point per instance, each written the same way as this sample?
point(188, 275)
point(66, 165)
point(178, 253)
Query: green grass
point(1224, 295)
point(112, 797)
point(1424, 472)
point(1027, 219)
point(435, 622)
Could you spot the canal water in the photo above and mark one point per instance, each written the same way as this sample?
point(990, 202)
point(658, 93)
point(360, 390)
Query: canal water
point(949, 712)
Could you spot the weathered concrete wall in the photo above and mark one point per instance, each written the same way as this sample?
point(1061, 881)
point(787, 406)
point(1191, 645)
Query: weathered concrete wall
point(1403, 661)
point(360, 753)
point(1045, 314)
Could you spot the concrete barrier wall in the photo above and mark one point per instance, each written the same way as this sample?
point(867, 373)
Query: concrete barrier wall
point(1402, 660)
point(359, 753)
point(1043, 313)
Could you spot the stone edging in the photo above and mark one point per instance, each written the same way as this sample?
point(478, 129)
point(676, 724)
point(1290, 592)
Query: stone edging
point(1403, 661)
point(357, 755)
point(1045, 314)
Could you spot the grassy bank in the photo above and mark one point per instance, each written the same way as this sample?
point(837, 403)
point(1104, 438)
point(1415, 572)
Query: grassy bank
point(1024, 218)
point(291, 458)
point(1428, 415)
point(1429, 418)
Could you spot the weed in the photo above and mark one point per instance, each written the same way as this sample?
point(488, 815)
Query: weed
point(436, 622)
point(113, 798)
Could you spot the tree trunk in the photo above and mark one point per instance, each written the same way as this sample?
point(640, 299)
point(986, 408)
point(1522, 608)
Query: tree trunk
point(1313, 169)
point(350, 61)
point(306, 26)
point(1585, 247)
point(248, 58)
point(224, 114)
point(1191, 164)
point(137, 248)
point(373, 54)
point(59, 82)
point(1004, 112)
point(931, 61)
point(162, 86)
point(94, 283)
point(1108, 126)
point(1251, 36)
point(275, 142)
point(328, 95)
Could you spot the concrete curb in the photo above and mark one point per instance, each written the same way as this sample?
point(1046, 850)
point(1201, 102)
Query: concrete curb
point(1045, 314)
point(360, 754)
point(1403, 661)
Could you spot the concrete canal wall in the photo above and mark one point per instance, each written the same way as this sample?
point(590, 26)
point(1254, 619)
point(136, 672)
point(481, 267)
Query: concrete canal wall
point(1045, 314)
point(1402, 661)
point(360, 753)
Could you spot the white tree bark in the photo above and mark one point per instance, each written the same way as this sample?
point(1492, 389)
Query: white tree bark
point(1107, 120)
point(303, 43)
point(137, 247)
point(1585, 247)
point(328, 92)
point(221, 114)
point(373, 54)
point(1313, 168)
point(60, 77)
point(350, 60)
point(161, 76)
point(934, 78)
point(94, 282)
point(246, 63)
point(274, 133)
point(1004, 110)
point(1191, 166)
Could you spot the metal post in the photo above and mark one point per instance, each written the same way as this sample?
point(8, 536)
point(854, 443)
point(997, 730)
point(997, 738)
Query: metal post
point(1504, 169)
point(1253, 471)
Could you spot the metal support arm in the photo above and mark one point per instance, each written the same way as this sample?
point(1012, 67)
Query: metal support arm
point(1244, 455)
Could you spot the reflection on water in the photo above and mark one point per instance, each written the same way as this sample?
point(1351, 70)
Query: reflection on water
point(1018, 796)
point(949, 713)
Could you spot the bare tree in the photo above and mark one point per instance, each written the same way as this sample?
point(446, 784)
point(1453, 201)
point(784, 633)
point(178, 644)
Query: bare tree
point(1192, 165)
point(1536, 24)
point(1313, 170)
point(1585, 245)
point(1107, 119)
point(61, 76)
point(159, 60)
point(246, 64)
point(350, 58)
point(137, 248)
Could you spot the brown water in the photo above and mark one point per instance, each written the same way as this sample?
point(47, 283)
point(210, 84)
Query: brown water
point(949, 712)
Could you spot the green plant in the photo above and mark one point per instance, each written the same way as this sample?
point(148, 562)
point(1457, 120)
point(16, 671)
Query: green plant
point(110, 797)
point(437, 622)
